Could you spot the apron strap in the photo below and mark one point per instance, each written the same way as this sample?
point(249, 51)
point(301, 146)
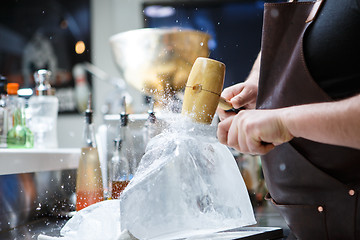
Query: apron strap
point(314, 10)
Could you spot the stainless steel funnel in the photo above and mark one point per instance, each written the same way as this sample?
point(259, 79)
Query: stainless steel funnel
point(158, 61)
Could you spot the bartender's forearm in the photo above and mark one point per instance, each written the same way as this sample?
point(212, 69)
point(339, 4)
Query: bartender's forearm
point(255, 71)
point(335, 123)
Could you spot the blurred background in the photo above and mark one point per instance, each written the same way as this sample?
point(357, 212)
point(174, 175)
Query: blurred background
point(100, 47)
point(61, 35)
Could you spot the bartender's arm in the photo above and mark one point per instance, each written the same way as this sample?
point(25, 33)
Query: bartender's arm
point(242, 94)
point(259, 131)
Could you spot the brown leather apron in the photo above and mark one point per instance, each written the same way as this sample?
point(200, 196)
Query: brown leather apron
point(314, 186)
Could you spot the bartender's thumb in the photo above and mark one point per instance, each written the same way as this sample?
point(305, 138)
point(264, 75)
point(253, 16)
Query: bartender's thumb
point(240, 100)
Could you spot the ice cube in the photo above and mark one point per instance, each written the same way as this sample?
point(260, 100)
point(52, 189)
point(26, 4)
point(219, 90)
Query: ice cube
point(187, 182)
point(98, 221)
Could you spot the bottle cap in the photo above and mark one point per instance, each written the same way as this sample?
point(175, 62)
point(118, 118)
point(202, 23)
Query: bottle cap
point(12, 88)
point(42, 79)
point(3, 83)
point(117, 143)
point(124, 117)
point(151, 114)
point(89, 111)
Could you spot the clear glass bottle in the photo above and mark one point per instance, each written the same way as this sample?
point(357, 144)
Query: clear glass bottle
point(12, 100)
point(3, 113)
point(120, 171)
point(150, 128)
point(20, 136)
point(127, 140)
point(89, 186)
point(44, 108)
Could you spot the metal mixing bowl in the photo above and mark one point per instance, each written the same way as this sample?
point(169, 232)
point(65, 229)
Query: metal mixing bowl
point(158, 61)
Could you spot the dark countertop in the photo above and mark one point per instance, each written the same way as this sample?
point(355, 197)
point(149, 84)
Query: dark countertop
point(50, 226)
point(266, 216)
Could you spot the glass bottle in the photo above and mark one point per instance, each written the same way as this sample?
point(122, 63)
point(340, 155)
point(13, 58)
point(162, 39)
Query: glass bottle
point(120, 171)
point(12, 100)
point(44, 111)
point(20, 136)
point(150, 128)
point(3, 113)
point(127, 140)
point(89, 186)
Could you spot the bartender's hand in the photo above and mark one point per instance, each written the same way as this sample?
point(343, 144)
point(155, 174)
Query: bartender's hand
point(253, 131)
point(241, 95)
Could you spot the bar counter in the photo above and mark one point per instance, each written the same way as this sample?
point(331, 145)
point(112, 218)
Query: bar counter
point(266, 217)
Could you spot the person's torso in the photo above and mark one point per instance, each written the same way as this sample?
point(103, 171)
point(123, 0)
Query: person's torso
point(332, 48)
point(312, 184)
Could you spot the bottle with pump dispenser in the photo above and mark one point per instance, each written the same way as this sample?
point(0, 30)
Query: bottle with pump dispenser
point(44, 112)
point(89, 186)
point(3, 113)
